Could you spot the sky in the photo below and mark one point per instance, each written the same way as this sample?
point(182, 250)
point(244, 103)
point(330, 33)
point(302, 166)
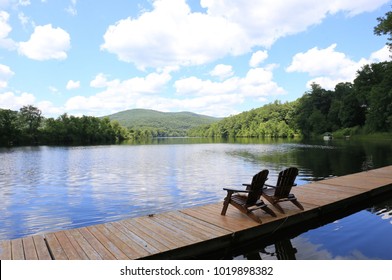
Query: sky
point(212, 57)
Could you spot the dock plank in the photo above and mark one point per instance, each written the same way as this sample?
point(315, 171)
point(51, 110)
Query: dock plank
point(96, 244)
point(17, 249)
point(166, 232)
point(127, 251)
point(55, 247)
point(135, 241)
point(204, 230)
point(29, 248)
point(88, 250)
point(67, 245)
point(5, 250)
point(41, 247)
point(140, 233)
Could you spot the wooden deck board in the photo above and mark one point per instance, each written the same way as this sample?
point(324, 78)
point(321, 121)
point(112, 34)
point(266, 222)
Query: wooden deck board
point(175, 232)
point(56, 249)
point(116, 238)
point(90, 234)
point(29, 248)
point(88, 250)
point(41, 247)
point(176, 238)
point(144, 233)
point(135, 241)
point(205, 230)
point(5, 250)
point(68, 247)
point(17, 249)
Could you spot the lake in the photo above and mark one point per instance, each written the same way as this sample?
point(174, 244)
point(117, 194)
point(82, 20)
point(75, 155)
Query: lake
point(45, 189)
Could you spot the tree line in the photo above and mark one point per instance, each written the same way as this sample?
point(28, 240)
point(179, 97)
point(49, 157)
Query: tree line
point(364, 105)
point(27, 126)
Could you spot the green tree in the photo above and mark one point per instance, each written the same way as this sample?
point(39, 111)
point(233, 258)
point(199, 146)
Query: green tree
point(384, 27)
point(30, 118)
point(9, 127)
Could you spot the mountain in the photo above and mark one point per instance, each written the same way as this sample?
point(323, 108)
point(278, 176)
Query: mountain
point(172, 123)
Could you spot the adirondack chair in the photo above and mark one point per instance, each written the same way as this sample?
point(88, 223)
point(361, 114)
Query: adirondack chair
point(281, 192)
point(250, 202)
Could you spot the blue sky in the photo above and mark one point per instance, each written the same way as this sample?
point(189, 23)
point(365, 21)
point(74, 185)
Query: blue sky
point(86, 57)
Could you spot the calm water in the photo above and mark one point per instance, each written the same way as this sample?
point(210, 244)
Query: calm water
point(45, 189)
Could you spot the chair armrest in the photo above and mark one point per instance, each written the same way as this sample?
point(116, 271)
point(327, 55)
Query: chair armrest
point(235, 190)
point(270, 186)
point(247, 185)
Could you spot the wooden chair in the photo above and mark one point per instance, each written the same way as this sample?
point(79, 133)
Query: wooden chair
point(281, 192)
point(250, 202)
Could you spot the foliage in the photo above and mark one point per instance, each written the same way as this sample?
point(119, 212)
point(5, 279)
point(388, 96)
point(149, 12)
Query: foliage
point(28, 127)
point(384, 27)
point(149, 123)
point(272, 120)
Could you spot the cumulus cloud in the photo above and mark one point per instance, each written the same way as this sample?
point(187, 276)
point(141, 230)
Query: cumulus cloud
point(5, 74)
point(258, 83)
point(330, 67)
point(5, 29)
point(222, 71)
point(171, 34)
point(46, 43)
point(72, 8)
point(10, 100)
point(257, 58)
point(73, 85)
point(193, 94)
point(119, 95)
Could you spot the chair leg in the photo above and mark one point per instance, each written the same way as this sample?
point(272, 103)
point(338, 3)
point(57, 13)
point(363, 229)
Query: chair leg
point(299, 205)
point(226, 202)
point(269, 211)
point(254, 217)
point(277, 206)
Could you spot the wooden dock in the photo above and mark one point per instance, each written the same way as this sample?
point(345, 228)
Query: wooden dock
point(191, 232)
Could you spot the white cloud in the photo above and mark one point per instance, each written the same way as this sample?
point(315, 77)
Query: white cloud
point(330, 67)
point(222, 71)
point(5, 29)
point(24, 2)
point(73, 85)
point(257, 58)
point(72, 8)
point(46, 43)
point(258, 83)
point(99, 81)
point(381, 55)
point(119, 95)
point(10, 100)
point(171, 34)
point(5, 74)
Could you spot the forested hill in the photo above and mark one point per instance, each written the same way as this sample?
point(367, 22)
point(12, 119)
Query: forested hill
point(363, 106)
point(272, 120)
point(156, 123)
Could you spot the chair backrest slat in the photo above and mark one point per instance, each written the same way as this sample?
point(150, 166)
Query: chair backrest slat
point(285, 182)
point(256, 187)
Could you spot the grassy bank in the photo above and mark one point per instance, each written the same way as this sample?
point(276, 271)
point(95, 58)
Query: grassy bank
point(360, 133)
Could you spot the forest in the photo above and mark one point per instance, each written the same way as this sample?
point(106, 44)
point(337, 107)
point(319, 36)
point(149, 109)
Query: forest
point(28, 127)
point(362, 106)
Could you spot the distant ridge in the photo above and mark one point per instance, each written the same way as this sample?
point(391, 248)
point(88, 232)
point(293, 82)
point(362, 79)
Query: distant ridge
point(178, 122)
